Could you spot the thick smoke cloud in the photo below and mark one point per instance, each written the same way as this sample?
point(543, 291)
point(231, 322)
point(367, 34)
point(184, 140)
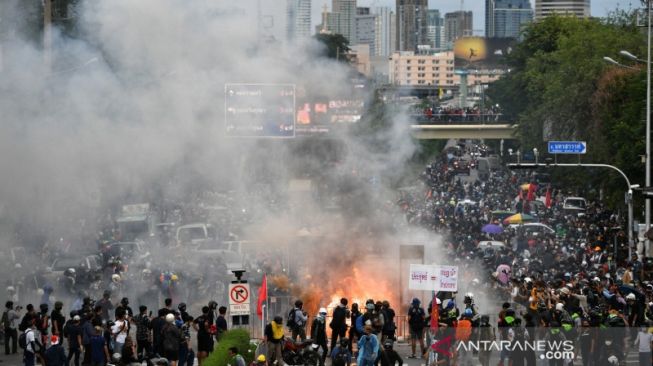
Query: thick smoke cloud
point(131, 110)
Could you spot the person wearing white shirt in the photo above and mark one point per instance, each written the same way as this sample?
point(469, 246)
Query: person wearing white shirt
point(32, 344)
point(643, 341)
point(119, 330)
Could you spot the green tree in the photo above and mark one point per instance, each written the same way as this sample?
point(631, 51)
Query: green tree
point(559, 87)
point(336, 45)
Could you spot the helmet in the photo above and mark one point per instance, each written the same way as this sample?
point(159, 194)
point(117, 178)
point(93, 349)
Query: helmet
point(560, 306)
point(170, 318)
point(182, 306)
point(631, 296)
point(469, 295)
point(323, 311)
point(115, 278)
point(468, 312)
point(528, 280)
point(260, 358)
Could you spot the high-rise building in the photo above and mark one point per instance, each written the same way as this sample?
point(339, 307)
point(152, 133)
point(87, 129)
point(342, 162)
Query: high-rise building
point(384, 45)
point(579, 8)
point(457, 25)
point(412, 28)
point(366, 30)
point(345, 11)
point(298, 22)
point(435, 28)
point(506, 18)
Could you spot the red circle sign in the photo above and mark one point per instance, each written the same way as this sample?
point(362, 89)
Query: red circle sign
point(239, 294)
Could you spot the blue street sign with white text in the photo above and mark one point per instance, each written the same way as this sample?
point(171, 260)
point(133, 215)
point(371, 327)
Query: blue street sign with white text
point(567, 147)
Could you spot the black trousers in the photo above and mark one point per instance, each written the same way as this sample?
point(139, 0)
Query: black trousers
point(337, 334)
point(74, 352)
point(143, 346)
point(13, 335)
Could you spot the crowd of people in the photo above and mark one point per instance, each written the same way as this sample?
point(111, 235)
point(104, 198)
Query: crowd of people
point(573, 282)
point(102, 332)
point(453, 115)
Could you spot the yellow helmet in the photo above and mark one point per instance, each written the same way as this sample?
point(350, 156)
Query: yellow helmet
point(260, 358)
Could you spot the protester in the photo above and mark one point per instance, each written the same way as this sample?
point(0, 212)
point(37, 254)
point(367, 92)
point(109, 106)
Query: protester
point(318, 333)
point(416, 318)
point(273, 340)
point(297, 319)
point(171, 340)
point(9, 319)
point(73, 332)
point(368, 348)
point(338, 322)
point(234, 355)
point(341, 355)
point(55, 354)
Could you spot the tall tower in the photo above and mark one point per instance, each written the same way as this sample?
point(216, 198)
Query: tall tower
point(345, 11)
point(412, 27)
point(298, 21)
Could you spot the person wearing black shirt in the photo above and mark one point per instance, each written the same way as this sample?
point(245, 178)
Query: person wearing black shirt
point(389, 356)
point(57, 319)
point(204, 337)
point(124, 304)
point(338, 323)
point(221, 322)
point(157, 326)
point(73, 332)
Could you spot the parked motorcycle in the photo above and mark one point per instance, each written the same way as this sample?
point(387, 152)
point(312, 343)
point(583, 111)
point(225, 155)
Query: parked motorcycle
point(300, 353)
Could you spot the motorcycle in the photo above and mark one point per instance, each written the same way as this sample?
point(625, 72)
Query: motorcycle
point(300, 353)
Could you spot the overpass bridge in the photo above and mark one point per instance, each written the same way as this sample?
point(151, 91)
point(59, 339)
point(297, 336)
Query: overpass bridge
point(463, 131)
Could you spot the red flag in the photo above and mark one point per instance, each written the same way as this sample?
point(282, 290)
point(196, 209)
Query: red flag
point(547, 199)
point(262, 296)
point(532, 188)
point(435, 317)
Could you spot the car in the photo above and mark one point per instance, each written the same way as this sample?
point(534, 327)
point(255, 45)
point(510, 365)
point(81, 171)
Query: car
point(196, 234)
point(83, 265)
point(216, 252)
point(494, 244)
point(576, 204)
point(533, 227)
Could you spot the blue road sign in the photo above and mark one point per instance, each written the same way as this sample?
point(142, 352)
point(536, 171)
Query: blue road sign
point(567, 147)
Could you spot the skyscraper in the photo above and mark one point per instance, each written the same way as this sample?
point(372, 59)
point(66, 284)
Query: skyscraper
point(457, 25)
point(435, 28)
point(412, 28)
point(506, 18)
point(345, 11)
point(579, 8)
point(298, 22)
point(384, 45)
point(366, 29)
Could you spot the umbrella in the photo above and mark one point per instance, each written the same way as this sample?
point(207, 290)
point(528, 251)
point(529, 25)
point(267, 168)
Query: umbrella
point(492, 229)
point(518, 219)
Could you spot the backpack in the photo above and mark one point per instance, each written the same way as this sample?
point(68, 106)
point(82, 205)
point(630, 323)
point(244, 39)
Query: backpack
point(360, 324)
point(368, 349)
point(417, 316)
point(22, 339)
point(340, 359)
point(291, 323)
point(463, 330)
point(5, 319)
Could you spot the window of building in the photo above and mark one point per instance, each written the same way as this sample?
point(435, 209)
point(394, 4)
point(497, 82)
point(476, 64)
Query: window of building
point(408, 68)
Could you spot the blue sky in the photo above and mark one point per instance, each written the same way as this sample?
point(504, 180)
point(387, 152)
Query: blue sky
point(599, 7)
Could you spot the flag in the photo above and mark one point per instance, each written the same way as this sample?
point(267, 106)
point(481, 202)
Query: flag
point(435, 317)
point(262, 296)
point(547, 199)
point(532, 188)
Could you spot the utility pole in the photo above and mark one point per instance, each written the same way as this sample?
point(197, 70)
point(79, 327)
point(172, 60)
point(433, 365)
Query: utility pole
point(647, 204)
point(47, 34)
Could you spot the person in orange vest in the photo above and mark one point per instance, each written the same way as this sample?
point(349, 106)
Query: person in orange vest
point(463, 334)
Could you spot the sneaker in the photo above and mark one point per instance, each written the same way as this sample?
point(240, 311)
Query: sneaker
point(412, 356)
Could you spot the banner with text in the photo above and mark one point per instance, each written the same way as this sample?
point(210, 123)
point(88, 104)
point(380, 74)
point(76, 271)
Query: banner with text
point(433, 277)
